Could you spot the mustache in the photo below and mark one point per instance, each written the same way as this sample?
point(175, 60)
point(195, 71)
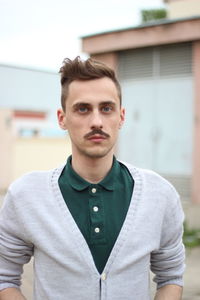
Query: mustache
point(96, 131)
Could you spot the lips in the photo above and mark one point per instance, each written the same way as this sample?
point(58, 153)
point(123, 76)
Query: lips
point(96, 135)
point(96, 138)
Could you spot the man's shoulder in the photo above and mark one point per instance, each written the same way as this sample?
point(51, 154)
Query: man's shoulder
point(150, 178)
point(142, 171)
point(33, 180)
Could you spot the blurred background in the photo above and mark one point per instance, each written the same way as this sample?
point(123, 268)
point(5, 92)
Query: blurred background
point(154, 47)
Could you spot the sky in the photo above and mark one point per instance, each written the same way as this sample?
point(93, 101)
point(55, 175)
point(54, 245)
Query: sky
point(41, 33)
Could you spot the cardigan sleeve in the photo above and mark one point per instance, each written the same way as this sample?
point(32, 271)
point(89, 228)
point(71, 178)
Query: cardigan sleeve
point(15, 251)
point(167, 263)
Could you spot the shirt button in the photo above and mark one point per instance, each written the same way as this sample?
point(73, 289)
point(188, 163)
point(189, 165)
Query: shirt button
point(103, 276)
point(95, 208)
point(94, 190)
point(97, 229)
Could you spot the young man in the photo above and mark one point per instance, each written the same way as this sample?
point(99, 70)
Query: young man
point(94, 226)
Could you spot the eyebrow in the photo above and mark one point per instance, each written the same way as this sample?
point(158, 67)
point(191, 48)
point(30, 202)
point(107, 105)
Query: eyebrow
point(89, 104)
point(107, 103)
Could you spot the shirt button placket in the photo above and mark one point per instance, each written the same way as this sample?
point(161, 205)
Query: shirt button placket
point(96, 217)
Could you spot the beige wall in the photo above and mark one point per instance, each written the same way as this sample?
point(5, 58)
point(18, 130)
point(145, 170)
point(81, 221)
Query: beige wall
point(6, 148)
point(183, 8)
point(19, 155)
point(31, 154)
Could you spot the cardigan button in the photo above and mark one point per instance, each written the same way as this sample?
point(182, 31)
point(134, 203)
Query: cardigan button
point(103, 276)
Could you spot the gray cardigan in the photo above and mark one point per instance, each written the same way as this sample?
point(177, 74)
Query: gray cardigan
point(36, 221)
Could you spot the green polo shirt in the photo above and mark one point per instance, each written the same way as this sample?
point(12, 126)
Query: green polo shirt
point(99, 209)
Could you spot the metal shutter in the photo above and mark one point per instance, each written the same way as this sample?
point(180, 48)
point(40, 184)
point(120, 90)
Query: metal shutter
point(175, 60)
point(169, 60)
point(136, 64)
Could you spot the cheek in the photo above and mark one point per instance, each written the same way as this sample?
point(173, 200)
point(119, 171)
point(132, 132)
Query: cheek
point(115, 124)
point(74, 122)
point(77, 127)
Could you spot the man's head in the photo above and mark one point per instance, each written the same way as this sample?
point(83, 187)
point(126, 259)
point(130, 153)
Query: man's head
point(89, 69)
point(91, 107)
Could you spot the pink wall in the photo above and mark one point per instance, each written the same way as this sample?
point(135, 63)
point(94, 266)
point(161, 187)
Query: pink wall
point(110, 59)
point(174, 32)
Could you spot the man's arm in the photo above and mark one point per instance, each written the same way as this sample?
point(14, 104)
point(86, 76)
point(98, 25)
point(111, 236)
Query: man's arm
point(169, 292)
point(167, 262)
point(15, 251)
point(11, 294)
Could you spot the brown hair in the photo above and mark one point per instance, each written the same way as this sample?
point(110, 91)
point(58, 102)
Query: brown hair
point(89, 69)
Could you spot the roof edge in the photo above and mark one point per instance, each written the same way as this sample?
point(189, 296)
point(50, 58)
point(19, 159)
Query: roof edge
point(27, 68)
point(143, 25)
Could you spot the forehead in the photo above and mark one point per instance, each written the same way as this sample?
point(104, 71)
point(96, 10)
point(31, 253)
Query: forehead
point(87, 90)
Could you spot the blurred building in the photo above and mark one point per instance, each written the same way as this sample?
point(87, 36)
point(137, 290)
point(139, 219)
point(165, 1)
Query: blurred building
point(30, 138)
point(158, 65)
point(182, 8)
point(24, 149)
point(29, 123)
point(27, 89)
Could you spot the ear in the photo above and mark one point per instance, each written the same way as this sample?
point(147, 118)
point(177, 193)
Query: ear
point(122, 117)
point(61, 119)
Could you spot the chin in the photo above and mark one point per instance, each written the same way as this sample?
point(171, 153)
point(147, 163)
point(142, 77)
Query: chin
point(97, 153)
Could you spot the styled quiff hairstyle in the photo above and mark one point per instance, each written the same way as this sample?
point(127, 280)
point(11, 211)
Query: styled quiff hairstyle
point(89, 69)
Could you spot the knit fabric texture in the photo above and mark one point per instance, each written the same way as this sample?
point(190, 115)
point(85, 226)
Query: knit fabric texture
point(35, 221)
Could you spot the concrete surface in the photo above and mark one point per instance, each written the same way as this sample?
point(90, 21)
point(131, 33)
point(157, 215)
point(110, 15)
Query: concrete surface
point(191, 278)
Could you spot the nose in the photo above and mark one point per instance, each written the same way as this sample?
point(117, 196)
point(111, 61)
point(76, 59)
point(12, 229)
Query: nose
point(96, 120)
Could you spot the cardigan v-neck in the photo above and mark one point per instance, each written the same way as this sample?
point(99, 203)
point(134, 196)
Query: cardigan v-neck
point(100, 209)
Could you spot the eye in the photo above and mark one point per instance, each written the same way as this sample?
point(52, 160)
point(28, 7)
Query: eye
point(107, 108)
point(83, 109)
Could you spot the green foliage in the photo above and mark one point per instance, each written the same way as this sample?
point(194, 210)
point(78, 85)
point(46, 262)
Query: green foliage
point(153, 14)
point(191, 237)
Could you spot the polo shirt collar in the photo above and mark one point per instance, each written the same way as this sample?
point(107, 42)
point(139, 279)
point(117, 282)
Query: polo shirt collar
point(109, 180)
point(76, 181)
point(79, 184)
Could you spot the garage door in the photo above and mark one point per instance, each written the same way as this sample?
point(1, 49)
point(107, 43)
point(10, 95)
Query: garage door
point(157, 87)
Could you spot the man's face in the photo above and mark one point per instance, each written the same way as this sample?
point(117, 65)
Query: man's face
point(92, 116)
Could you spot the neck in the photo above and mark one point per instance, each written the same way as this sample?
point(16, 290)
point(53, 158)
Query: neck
point(92, 170)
